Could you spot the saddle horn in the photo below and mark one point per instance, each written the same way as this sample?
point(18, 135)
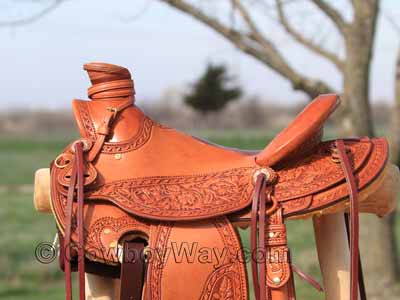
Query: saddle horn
point(302, 134)
point(109, 81)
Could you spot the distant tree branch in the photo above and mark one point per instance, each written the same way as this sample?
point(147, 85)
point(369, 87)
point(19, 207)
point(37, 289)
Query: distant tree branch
point(333, 14)
point(33, 18)
point(299, 37)
point(255, 32)
point(394, 139)
point(256, 45)
point(395, 126)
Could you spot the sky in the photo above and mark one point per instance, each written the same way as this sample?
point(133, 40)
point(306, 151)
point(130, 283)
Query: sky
point(41, 63)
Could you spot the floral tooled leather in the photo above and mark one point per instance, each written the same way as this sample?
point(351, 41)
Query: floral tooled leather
point(181, 197)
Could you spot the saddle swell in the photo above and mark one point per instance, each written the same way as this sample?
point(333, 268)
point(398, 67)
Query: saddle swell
point(142, 181)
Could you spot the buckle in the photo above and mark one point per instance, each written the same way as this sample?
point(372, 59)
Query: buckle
point(112, 109)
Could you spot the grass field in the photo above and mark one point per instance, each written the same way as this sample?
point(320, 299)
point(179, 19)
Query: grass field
point(22, 277)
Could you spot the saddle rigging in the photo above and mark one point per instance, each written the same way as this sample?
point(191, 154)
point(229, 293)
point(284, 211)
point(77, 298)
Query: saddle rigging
point(130, 185)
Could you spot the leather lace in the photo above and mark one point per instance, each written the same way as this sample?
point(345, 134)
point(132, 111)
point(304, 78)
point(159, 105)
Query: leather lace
point(77, 182)
point(259, 218)
point(356, 278)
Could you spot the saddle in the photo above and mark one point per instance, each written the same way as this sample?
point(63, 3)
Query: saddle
point(139, 201)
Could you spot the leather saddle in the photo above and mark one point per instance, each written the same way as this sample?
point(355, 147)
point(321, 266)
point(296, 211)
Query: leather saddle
point(139, 201)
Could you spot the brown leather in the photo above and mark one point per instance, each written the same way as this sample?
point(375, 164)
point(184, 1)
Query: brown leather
point(256, 222)
point(76, 181)
point(80, 227)
point(68, 232)
point(132, 270)
point(353, 236)
point(177, 192)
point(253, 233)
point(307, 278)
point(361, 284)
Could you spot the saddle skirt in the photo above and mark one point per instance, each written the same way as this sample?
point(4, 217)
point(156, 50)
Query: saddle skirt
point(143, 180)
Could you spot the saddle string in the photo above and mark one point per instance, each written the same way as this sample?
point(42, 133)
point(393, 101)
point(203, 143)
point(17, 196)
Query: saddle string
point(356, 278)
point(77, 182)
point(362, 290)
point(261, 239)
point(310, 280)
point(80, 199)
point(260, 181)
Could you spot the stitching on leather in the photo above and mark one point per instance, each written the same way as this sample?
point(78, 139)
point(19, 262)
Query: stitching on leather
point(86, 120)
point(137, 141)
point(161, 242)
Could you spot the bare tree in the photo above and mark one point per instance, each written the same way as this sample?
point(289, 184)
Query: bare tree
point(358, 38)
point(31, 18)
point(358, 35)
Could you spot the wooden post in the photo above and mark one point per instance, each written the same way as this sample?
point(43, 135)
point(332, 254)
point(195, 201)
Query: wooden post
point(41, 192)
point(101, 288)
point(334, 255)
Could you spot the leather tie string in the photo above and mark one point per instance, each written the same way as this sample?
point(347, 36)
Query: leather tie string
point(356, 278)
point(258, 218)
point(77, 182)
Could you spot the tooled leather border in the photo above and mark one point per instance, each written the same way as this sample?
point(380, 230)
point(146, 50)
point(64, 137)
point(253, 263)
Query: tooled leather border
point(141, 137)
point(365, 176)
point(230, 272)
point(94, 247)
point(156, 268)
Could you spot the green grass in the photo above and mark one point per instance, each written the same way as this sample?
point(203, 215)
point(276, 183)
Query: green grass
point(22, 228)
point(24, 155)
